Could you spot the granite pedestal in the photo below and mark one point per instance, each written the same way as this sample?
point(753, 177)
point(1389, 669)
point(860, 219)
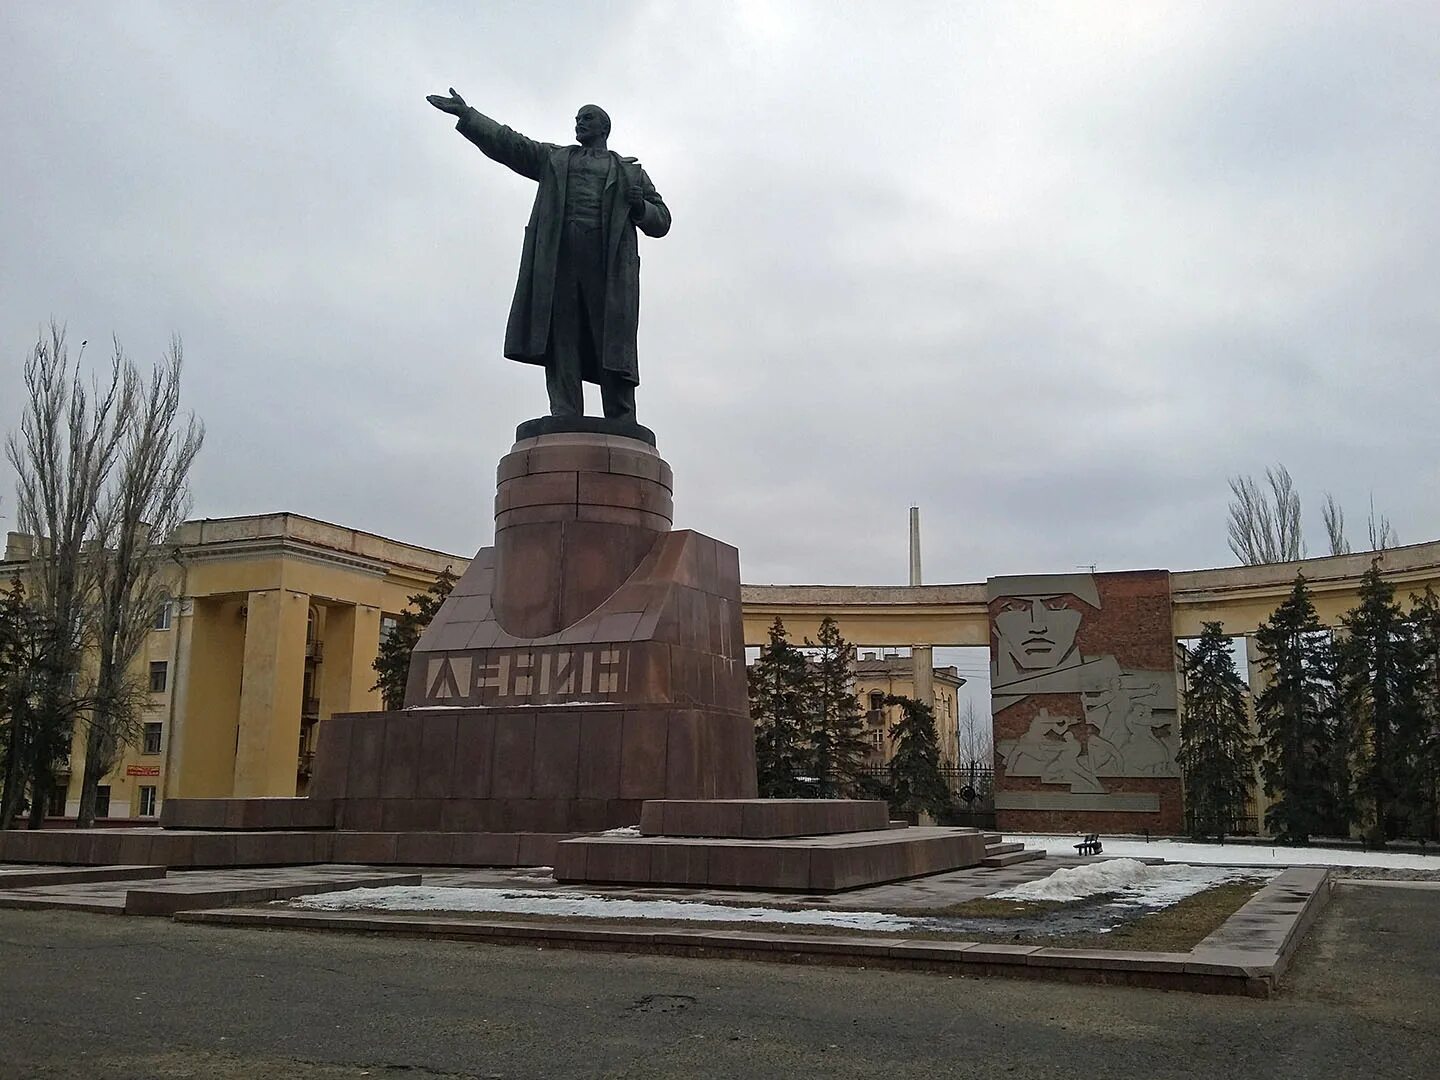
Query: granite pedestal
point(591, 660)
point(802, 845)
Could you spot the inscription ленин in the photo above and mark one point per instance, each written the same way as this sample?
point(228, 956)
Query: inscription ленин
point(562, 673)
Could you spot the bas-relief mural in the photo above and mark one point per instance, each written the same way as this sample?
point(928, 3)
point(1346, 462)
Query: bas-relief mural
point(1117, 721)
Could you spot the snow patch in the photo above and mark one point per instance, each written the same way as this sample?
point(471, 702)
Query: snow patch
point(1180, 851)
point(1134, 883)
point(623, 830)
point(437, 898)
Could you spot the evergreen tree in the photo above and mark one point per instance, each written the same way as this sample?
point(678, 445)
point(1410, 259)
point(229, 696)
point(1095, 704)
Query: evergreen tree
point(780, 696)
point(915, 781)
point(1215, 757)
point(37, 705)
point(12, 751)
point(1295, 713)
point(393, 662)
point(1380, 671)
point(835, 734)
point(1425, 617)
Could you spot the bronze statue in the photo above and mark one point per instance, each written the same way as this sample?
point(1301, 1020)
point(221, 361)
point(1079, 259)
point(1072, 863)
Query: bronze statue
point(577, 302)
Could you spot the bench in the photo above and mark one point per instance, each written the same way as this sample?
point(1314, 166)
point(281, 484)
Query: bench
point(1090, 845)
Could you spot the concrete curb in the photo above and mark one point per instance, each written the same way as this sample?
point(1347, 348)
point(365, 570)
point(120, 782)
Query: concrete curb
point(1248, 960)
point(40, 877)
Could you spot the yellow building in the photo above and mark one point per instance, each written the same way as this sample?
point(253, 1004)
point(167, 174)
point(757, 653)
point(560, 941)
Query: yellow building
point(275, 620)
point(878, 674)
point(273, 624)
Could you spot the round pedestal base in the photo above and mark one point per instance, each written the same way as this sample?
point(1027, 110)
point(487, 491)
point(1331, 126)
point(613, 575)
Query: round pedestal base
point(575, 512)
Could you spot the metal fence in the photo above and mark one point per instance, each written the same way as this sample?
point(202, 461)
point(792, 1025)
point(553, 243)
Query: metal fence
point(972, 786)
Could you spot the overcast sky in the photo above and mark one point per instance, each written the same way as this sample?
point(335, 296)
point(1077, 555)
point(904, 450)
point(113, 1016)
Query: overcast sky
point(1051, 271)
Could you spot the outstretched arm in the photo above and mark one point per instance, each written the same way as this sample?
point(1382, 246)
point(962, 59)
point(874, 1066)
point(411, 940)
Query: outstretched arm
point(503, 144)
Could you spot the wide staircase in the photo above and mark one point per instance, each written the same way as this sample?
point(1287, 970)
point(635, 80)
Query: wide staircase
point(998, 853)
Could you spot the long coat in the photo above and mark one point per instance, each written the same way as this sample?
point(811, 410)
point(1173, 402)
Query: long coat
point(527, 334)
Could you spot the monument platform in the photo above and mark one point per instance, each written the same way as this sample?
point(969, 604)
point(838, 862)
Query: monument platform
point(804, 845)
point(761, 818)
point(592, 660)
point(826, 863)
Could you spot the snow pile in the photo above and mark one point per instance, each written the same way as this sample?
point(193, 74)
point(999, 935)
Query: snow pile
point(623, 830)
point(1180, 851)
point(437, 898)
point(1134, 883)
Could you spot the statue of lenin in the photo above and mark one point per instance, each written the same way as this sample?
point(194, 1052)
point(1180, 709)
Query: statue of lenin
point(577, 302)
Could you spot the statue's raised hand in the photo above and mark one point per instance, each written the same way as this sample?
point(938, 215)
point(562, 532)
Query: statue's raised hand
point(454, 104)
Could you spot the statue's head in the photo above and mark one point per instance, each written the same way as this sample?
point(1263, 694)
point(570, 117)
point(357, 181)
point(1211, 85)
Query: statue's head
point(592, 123)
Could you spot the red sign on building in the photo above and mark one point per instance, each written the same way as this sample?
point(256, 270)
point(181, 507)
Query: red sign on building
point(142, 770)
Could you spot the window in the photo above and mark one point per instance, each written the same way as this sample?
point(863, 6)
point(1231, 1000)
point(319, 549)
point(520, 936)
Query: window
point(877, 739)
point(388, 623)
point(877, 700)
point(102, 801)
point(147, 802)
point(159, 670)
point(152, 738)
point(162, 616)
point(57, 801)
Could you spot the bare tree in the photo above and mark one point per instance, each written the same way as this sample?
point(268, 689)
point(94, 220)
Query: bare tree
point(1382, 533)
point(63, 455)
point(144, 503)
point(973, 734)
point(1265, 525)
point(1335, 526)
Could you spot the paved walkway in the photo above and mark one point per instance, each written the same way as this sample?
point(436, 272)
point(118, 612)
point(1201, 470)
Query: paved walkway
point(146, 997)
point(937, 890)
point(918, 894)
point(193, 888)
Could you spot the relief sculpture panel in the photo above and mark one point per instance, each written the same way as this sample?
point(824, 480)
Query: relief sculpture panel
point(1083, 693)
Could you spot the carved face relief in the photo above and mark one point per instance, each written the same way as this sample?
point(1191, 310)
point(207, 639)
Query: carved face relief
point(1036, 633)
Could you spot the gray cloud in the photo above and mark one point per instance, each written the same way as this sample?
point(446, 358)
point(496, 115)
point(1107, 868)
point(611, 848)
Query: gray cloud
point(1052, 271)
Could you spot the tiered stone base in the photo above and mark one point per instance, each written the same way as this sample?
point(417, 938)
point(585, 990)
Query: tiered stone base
point(525, 768)
point(761, 819)
point(802, 845)
point(195, 849)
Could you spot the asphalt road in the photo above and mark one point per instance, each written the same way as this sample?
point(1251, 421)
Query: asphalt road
point(100, 996)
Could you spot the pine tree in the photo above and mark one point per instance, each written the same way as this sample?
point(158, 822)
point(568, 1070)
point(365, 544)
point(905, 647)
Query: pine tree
point(37, 708)
point(1425, 617)
point(916, 784)
point(393, 662)
point(835, 733)
point(1215, 756)
point(1295, 714)
point(1380, 670)
point(780, 695)
point(12, 749)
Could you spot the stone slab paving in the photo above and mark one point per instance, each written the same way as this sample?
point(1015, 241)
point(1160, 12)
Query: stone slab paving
point(199, 888)
point(1385, 883)
point(915, 894)
point(25, 877)
point(1246, 956)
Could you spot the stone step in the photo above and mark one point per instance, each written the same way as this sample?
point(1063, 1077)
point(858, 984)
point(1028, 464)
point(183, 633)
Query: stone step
point(998, 848)
point(239, 890)
point(1010, 858)
point(809, 864)
point(761, 819)
point(28, 877)
point(993, 838)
